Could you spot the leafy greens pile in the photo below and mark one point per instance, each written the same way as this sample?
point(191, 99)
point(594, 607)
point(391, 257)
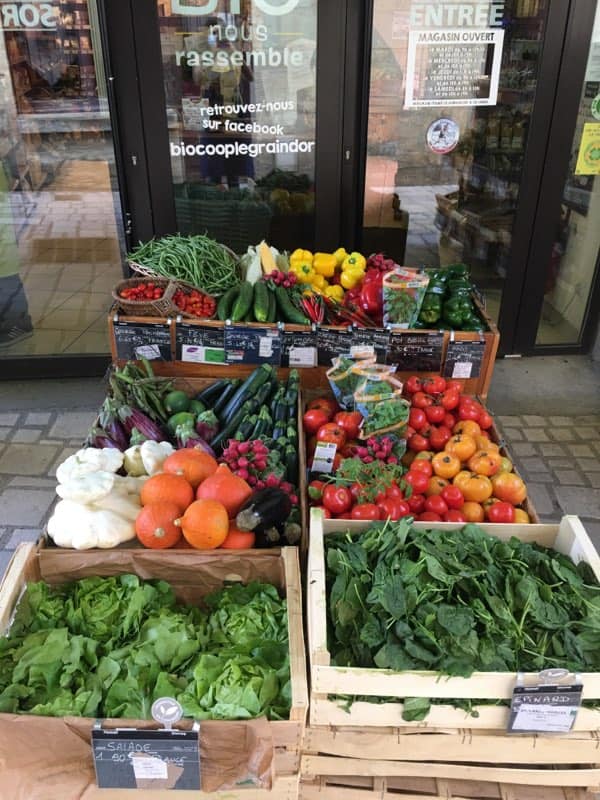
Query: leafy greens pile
point(456, 602)
point(109, 647)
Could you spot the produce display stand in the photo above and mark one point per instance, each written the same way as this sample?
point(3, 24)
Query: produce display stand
point(312, 376)
point(373, 739)
point(192, 574)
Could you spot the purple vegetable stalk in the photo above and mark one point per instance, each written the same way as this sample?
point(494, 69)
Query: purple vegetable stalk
point(207, 425)
point(134, 418)
point(112, 426)
point(100, 439)
point(187, 437)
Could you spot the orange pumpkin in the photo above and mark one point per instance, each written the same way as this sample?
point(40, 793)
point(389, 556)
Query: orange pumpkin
point(485, 462)
point(205, 524)
point(445, 465)
point(509, 487)
point(165, 488)
point(193, 464)
point(475, 488)
point(462, 446)
point(155, 525)
point(227, 488)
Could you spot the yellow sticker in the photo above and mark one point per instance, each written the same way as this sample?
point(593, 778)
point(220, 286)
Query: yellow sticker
point(588, 160)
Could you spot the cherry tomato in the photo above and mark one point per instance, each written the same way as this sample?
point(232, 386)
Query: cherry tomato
point(331, 432)
point(454, 516)
point(422, 465)
point(429, 516)
point(417, 418)
point(435, 414)
point(314, 419)
point(500, 512)
point(365, 511)
point(421, 400)
point(437, 504)
point(337, 499)
point(416, 503)
point(413, 384)
point(418, 481)
point(349, 421)
point(453, 497)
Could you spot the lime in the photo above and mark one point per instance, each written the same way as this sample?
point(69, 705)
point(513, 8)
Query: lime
point(196, 407)
point(177, 401)
point(183, 418)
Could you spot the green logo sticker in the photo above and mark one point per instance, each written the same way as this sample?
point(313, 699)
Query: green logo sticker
point(596, 107)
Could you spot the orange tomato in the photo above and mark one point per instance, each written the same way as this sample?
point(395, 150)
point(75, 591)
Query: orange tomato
point(435, 485)
point(475, 488)
point(485, 462)
point(468, 427)
point(509, 487)
point(445, 465)
point(522, 517)
point(473, 512)
point(462, 446)
point(506, 465)
point(483, 443)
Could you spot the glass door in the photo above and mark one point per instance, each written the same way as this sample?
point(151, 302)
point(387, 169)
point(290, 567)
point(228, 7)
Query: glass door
point(451, 99)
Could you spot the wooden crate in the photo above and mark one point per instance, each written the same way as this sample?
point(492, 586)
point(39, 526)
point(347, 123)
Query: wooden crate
point(281, 567)
point(314, 377)
point(569, 537)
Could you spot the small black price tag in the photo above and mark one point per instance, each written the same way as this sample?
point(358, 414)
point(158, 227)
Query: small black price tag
point(134, 759)
point(376, 338)
point(464, 359)
point(246, 345)
point(299, 348)
point(332, 342)
point(544, 708)
point(151, 340)
point(416, 352)
point(201, 344)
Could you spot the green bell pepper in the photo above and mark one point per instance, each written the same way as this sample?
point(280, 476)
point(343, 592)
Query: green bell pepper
point(431, 308)
point(456, 310)
point(457, 271)
point(474, 324)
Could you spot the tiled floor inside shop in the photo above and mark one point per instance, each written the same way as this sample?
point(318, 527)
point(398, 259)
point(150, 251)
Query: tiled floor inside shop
point(555, 440)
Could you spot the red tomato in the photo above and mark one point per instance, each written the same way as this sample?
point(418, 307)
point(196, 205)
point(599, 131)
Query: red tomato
point(413, 384)
point(485, 420)
point(314, 419)
point(435, 385)
point(449, 420)
point(429, 516)
point(337, 499)
point(417, 418)
point(418, 443)
point(435, 414)
point(416, 503)
point(500, 512)
point(418, 480)
point(327, 404)
point(454, 516)
point(356, 490)
point(365, 511)
point(450, 399)
point(331, 432)
point(452, 496)
point(344, 515)
point(326, 512)
point(349, 421)
point(439, 436)
point(421, 400)
point(468, 411)
point(315, 491)
point(393, 508)
point(422, 465)
point(454, 384)
point(437, 504)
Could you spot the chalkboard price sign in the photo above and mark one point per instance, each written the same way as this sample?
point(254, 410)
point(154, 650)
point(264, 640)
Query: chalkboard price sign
point(464, 359)
point(202, 344)
point(299, 349)
point(416, 352)
point(133, 759)
point(376, 338)
point(246, 345)
point(332, 342)
point(151, 340)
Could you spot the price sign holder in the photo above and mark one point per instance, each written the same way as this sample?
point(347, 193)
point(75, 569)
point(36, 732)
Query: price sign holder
point(128, 758)
point(416, 352)
point(378, 339)
point(245, 344)
point(332, 342)
point(134, 340)
point(549, 706)
point(299, 347)
point(323, 458)
point(464, 359)
point(199, 343)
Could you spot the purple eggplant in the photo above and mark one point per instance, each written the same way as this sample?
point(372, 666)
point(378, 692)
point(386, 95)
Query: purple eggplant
point(207, 425)
point(134, 418)
point(112, 426)
point(187, 437)
point(99, 438)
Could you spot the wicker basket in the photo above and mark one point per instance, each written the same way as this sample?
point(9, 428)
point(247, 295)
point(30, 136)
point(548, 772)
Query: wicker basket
point(162, 307)
point(187, 288)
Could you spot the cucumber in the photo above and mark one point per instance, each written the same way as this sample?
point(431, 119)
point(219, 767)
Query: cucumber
point(248, 388)
point(289, 312)
point(243, 303)
point(261, 302)
point(226, 302)
point(272, 311)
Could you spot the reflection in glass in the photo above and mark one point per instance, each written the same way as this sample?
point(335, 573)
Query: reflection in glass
point(240, 91)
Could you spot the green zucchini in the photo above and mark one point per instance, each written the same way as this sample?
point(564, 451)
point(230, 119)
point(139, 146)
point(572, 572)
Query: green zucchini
point(210, 393)
point(261, 302)
point(226, 302)
point(231, 427)
point(272, 310)
point(289, 312)
point(291, 464)
point(243, 303)
point(227, 394)
point(246, 427)
point(248, 388)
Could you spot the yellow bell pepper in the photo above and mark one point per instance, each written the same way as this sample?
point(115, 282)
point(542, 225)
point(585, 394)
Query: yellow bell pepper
point(335, 292)
point(354, 260)
point(324, 264)
point(318, 282)
point(351, 276)
point(299, 256)
point(303, 271)
point(340, 254)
